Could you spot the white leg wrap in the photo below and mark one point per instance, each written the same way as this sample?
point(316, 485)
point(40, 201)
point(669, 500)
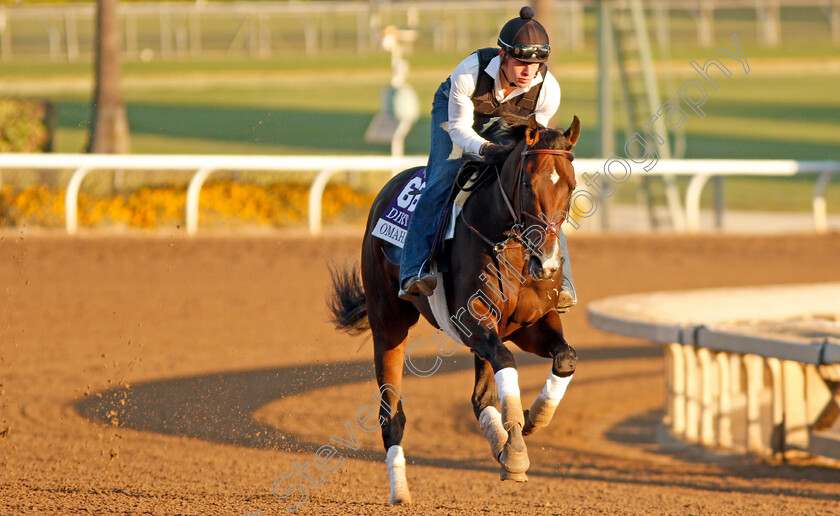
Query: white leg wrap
point(555, 387)
point(490, 421)
point(507, 381)
point(396, 472)
point(552, 392)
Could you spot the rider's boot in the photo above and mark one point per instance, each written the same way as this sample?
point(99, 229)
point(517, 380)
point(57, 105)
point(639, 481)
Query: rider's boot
point(423, 283)
point(566, 299)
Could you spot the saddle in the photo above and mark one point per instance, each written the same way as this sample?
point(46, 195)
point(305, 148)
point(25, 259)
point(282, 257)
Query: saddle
point(393, 224)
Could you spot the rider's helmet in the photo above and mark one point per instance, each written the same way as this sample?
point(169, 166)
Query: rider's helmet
point(524, 39)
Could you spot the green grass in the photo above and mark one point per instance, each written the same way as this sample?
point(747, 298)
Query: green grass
point(743, 118)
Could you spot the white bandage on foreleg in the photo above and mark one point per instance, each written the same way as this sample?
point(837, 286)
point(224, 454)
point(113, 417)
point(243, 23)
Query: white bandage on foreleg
point(490, 421)
point(396, 473)
point(555, 387)
point(549, 397)
point(507, 381)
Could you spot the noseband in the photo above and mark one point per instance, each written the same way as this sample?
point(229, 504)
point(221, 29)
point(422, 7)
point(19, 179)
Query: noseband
point(517, 230)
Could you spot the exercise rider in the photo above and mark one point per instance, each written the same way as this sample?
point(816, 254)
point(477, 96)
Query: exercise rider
point(489, 91)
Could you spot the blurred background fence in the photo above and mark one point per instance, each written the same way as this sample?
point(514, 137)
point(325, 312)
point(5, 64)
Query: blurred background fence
point(171, 30)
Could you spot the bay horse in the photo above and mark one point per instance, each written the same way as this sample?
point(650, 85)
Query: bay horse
point(503, 284)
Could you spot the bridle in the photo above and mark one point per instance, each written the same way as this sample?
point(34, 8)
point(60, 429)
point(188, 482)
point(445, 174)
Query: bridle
point(517, 230)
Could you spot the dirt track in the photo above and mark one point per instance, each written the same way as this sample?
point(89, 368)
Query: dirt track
point(172, 376)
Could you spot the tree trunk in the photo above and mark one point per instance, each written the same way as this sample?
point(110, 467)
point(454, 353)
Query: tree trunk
point(109, 125)
point(543, 10)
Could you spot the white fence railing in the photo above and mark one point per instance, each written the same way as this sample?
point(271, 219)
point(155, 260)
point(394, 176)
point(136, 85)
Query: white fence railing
point(258, 29)
point(262, 29)
point(202, 166)
point(735, 378)
point(701, 170)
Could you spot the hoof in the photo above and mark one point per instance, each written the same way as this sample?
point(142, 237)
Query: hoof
point(529, 428)
point(403, 499)
point(514, 456)
point(516, 477)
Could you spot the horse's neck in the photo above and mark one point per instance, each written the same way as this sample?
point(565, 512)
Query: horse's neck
point(487, 210)
point(512, 162)
point(510, 169)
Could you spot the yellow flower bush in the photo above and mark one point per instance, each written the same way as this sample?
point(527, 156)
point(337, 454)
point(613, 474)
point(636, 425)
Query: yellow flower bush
point(222, 203)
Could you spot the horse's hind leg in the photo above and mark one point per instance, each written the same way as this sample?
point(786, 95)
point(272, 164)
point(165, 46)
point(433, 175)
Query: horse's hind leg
point(392, 416)
point(389, 345)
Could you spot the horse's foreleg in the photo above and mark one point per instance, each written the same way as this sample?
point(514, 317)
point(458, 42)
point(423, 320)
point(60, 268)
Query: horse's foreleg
point(514, 455)
point(389, 369)
point(542, 410)
point(484, 400)
point(562, 370)
point(547, 335)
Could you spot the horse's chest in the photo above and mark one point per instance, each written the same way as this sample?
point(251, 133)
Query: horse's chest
point(531, 305)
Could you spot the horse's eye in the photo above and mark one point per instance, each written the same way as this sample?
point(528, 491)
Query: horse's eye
point(527, 185)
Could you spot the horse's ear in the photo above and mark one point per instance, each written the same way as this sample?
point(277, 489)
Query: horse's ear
point(573, 132)
point(532, 131)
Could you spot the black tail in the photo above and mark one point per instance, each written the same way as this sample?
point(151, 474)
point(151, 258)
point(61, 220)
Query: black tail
point(347, 302)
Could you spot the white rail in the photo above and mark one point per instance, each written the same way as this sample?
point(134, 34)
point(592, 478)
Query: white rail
point(713, 338)
point(704, 169)
point(203, 166)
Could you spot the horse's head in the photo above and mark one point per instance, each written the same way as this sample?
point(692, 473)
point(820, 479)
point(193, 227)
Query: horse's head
point(546, 182)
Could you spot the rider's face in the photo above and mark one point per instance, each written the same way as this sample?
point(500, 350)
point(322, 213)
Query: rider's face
point(520, 72)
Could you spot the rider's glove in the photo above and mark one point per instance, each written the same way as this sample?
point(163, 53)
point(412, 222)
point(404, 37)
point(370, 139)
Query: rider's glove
point(491, 151)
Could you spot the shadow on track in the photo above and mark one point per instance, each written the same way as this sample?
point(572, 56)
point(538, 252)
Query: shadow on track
point(219, 407)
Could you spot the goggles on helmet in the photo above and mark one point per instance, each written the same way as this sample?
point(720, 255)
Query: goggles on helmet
point(527, 52)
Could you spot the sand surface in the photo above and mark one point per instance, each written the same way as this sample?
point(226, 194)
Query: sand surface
point(165, 375)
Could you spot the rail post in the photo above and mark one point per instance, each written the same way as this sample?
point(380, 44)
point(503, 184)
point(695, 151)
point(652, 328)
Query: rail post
point(316, 195)
point(71, 199)
point(193, 192)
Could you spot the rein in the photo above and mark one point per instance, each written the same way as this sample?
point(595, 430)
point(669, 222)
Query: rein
point(518, 227)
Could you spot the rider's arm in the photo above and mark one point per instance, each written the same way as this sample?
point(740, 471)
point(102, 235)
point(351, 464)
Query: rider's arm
point(461, 109)
point(548, 100)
